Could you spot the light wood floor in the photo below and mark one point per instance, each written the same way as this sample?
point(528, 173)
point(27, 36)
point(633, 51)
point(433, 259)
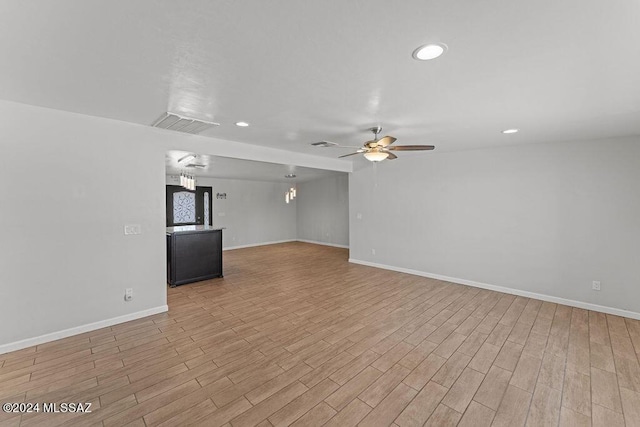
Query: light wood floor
point(294, 334)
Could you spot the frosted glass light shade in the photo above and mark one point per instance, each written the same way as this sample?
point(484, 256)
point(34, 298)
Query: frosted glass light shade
point(376, 156)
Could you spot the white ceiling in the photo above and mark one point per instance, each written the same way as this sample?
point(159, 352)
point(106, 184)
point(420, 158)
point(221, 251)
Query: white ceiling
point(230, 168)
point(302, 71)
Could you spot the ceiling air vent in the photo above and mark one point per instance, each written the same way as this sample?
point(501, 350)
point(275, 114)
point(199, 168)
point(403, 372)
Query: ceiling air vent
point(178, 123)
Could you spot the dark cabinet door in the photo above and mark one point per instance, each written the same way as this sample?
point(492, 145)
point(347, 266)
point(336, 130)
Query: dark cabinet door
point(195, 256)
point(186, 207)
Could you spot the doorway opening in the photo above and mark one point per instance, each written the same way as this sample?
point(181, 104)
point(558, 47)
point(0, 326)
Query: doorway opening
point(189, 207)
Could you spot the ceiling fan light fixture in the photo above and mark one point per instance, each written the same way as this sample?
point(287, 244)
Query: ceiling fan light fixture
point(376, 156)
point(429, 51)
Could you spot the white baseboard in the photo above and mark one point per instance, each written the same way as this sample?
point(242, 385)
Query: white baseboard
point(324, 243)
point(29, 342)
point(253, 245)
point(518, 292)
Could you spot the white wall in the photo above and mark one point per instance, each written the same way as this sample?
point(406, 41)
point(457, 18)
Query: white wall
point(544, 218)
point(69, 185)
point(323, 210)
point(253, 213)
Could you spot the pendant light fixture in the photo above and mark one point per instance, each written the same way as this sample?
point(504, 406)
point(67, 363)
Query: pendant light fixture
point(292, 191)
point(187, 181)
point(290, 194)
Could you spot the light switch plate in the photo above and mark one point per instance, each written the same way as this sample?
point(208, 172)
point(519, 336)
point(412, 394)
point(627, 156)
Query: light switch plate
point(132, 229)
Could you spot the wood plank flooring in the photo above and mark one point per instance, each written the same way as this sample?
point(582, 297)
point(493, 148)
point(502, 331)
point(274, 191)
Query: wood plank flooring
point(295, 335)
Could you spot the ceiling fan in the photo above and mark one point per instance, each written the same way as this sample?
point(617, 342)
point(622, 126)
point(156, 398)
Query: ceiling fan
point(377, 150)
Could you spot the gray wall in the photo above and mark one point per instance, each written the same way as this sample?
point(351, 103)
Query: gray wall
point(543, 218)
point(64, 258)
point(253, 213)
point(323, 210)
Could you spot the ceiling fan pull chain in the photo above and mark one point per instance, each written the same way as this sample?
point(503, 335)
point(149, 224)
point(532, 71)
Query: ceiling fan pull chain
point(375, 174)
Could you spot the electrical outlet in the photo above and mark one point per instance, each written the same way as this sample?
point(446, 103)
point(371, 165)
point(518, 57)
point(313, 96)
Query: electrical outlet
point(373, 251)
point(358, 215)
point(596, 285)
point(128, 294)
point(132, 229)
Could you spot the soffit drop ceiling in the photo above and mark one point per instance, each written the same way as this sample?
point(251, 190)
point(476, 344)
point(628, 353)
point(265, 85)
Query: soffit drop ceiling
point(300, 71)
point(230, 168)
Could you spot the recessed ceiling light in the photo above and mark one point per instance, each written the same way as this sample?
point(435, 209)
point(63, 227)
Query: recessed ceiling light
point(242, 124)
point(290, 175)
point(510, 131)
point(429, 51)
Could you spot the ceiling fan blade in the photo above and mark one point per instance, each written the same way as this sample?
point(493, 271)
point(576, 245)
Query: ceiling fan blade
point(351, 154)
point(391, 156)
point(411, 147)
point(386, 141)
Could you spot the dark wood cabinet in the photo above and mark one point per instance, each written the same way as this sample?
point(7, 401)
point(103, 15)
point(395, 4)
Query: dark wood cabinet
point(194, 253)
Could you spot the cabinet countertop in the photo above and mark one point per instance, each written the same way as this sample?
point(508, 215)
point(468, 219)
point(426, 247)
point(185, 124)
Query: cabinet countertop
point(183, 228)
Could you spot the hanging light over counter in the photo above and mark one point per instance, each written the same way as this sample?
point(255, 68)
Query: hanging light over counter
point(188, 181)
